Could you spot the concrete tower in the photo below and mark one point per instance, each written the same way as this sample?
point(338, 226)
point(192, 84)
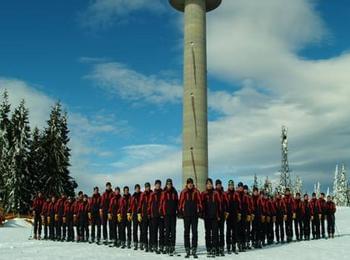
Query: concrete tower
point(195, 119)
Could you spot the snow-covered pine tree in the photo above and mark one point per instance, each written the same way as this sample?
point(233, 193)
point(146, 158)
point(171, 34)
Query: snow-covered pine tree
point(5, 141)
point(18, 179)
point(255, 182)
point(317, 189)
point(268, 186)
point(342, 188)
point(298, 185)
point(56, 159)
point(335, 183)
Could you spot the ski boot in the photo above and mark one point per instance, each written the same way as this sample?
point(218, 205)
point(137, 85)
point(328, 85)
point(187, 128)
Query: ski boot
point(135, 246)
point(229, 250)
point(142, 246)
point(123, 245)
point(129, 245)
point(222, 251)
point(188, 253)
point(194, 252)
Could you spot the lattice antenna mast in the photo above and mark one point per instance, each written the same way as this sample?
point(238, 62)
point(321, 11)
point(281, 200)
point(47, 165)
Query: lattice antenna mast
point(285, 180)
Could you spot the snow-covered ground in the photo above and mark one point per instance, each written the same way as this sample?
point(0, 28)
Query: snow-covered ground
point(14, 244)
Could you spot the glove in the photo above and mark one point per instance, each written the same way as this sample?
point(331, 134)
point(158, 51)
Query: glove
point(129, 217)
point(64, 219)
point(42, 219)
point(294, 216)
point(33, 213)
point(139, 217)
point(268, 219)
point(263, 218)
point(227, 215)
point(75, 218)
point(253, 217)
point(89, 215)
point(56, 217)
point(109, 216)
point(285, 218)
point(48, 220)
point(248, 218)
point(320, 216)
point(119, 217)
point(312, 217)
point(101, 213)
point(274, 219)
point(239, 217)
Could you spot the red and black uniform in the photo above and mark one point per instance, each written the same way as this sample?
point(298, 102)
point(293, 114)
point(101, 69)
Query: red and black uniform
point(157, 220)
point(232, 208)
point(146, 222)
point(95, 203)
point(270, 212)
point(105, 201)
point(221, 221)
point(133, 209)
point(44, 215)
point(211, 203)
point(308, 213)
point(37, 207)
point(323, 205)
point(243, 223)
point(289, 201)
point(330, 215)
point(298, 221)
point(83, 219)
point(60, 226)
point(51, 217)
point(257, 229)
point(315, 223)
point(190, 207)
point(169, 206)
point(114, 225)
point(68, 215)
point(125, 225)
point(281, 211)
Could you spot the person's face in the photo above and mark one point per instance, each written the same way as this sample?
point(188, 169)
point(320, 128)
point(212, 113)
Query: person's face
point(70, 200)
point(322, 196)
point(209, 186)
point(190, 185)
point(256, 193)
point(314, 196)
point(116, 191)
point(95, 191)
point(137, 190)
point(245, 191)
point(157, 186)
point(84, 199)
point(126, 191)
point(287, 193)
point(53, 199)
point(169, 186)
point(81, 196)
point(147, 188)
point(40, 194)
point(306, 198)
point(219, 186)
point(108, 187)
point(240, 189)
point(297, 197)
point(328, 198)
point(231, 187)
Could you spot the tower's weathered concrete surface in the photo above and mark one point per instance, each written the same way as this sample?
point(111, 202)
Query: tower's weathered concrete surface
point(195, 119)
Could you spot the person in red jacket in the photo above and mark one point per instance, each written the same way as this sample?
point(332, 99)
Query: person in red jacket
point(37, 207)
point(317, 214)
point(83, 219)
point(265, 216)
point(298, 217)
point(124, 218)
point(270, 219)
point(157, 220)
point(289, 201)
point(232, 211)
point(308, 215)
point(211, 203)
point(51, 218)
point(68, 218)
point(323, 205)
point(169, 206)
point(190, 208)
point(330, 215)
point(44, 217)
point(94, 215)
point(244, 219)
point(143, 217)
point(114, 222)
point(221, 222)
point(281, 216)
point(60, 226)
point(133, 210)
point(257, 233)
point(76, 206)
point(105, 201)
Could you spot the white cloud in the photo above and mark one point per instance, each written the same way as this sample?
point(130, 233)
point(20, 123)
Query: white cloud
point(104, 13)
point(134, 86)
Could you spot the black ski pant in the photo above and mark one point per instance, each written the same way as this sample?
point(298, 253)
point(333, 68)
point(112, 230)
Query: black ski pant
point(316, 227)
point(243, 227)
point(105, 225)
point(146, 230)
point(279, 229)
point(323, 226)
point(60, 228)
point(330, 225)
point(231, 231)
point(157, 234)
point(298, 228)
point(70, 229)
point(95, 224)
point(306, 227)
point(46, 228)
point(52, 224)
point(221, 232)
point(136, 228)
point(191, 226)
point(256, 229)
point(289, 227)
point(125, 232)
point(37, 225)
point(269, 231)
point(170, 230)
point(84, 228)
point(211, 234)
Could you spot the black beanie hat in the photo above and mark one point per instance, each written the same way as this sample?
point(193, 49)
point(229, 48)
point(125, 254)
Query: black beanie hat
point(217, 182)
point(245, 187)
point(137, 186)
point(157, 182)
point(240, 184)
point(189, 180)
point(209, 180)
point(147, 185)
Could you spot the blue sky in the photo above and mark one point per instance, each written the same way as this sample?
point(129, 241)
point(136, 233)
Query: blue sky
point(118, 72)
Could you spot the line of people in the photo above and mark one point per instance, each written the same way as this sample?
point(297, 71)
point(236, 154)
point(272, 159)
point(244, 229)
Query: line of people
point(234, 217)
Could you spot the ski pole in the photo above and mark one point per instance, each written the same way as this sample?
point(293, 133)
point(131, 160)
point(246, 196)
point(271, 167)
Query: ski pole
point(336, 227)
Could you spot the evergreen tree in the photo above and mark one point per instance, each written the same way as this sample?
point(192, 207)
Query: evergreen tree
point(317, 189)
point(5, 142)
point(56, 160)
point(255, 182)
point(268, 185)
point(18, 179)
point(36, 156)
point(342, 188)
point(335, 183)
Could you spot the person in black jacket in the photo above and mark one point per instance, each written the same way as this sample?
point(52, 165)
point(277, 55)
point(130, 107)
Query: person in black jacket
point(169, 205)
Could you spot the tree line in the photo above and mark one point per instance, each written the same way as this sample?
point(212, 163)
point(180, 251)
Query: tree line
point(32, 160)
